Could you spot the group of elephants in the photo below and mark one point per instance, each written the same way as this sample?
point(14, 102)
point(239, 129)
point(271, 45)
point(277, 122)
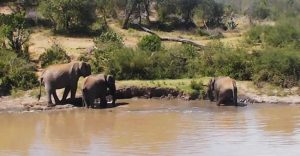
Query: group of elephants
point(221, 89)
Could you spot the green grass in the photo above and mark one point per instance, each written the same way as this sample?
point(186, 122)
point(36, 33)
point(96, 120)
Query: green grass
point(183, 85)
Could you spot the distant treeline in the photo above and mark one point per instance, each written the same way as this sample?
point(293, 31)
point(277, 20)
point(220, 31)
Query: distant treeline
point(84, 15)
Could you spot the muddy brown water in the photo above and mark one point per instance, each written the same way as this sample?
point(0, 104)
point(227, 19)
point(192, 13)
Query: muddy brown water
point(155, 127)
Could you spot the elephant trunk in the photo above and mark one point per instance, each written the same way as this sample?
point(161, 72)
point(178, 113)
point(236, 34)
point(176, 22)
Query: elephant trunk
point(234, 93)
point(113, 94)
point(40, 94)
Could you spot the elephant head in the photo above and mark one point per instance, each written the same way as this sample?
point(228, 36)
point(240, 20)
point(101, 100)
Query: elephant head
point(111, 85)
point(82, 69)
point(211, 88)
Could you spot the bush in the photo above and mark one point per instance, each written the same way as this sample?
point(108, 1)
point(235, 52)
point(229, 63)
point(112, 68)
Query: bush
point(69, 15)
point(285, 33)
point(109, 36)
point(202, 32)
point(219, 60)
point(278, 66)
point(282, 35)
point(55, 54)
point(150, 43)
point(254, 35)
point(197, 85)
point(15, 72)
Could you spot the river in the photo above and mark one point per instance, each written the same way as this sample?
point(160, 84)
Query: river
point(155, 127)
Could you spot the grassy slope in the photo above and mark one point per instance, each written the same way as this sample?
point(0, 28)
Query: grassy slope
point(42, 39)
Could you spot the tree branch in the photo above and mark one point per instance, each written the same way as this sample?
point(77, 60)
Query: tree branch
point(182, 40)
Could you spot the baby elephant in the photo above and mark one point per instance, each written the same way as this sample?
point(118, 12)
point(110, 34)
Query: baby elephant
point(98, 86)
point(65, 76)
point(223, 89)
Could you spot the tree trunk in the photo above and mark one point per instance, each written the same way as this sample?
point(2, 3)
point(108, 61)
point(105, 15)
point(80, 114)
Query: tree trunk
point(147, 7)
point(128, 14)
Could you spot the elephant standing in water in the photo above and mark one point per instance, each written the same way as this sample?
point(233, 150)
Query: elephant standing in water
point(96, 86)
point(223, 89)
point(63, 76)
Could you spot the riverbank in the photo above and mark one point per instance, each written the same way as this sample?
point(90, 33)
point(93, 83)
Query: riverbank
point(159, 89)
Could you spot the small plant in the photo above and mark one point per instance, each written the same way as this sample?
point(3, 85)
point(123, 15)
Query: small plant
point(150, 43)
point(109, 36)
point(202, 32)
point(196, 85)
point(55, 54)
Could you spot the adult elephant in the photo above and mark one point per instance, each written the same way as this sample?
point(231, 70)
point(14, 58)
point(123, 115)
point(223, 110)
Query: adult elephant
point(65, 76)
point(97, 86)
point(223, 89)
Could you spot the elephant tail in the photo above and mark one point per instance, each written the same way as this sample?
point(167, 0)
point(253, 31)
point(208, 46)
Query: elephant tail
point(40, 94)
point(234, 93)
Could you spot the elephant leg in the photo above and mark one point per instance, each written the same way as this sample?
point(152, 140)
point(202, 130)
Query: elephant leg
point(73, 92)
point(103, 102)
point(55, 97)
point(65, 95)
point(49, 93)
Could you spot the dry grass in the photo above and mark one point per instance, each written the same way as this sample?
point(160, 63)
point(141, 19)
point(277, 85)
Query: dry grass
point(42, 39)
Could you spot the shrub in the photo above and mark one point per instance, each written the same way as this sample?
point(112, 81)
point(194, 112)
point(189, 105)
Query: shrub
point(127, 63)
point(69, 15)
point(285, 33)
point(150, 43)
point(15, 72)
point(278, 66)
point(202, 32)
point(254, 35)
point(109, 36)
point(197, 85)
point(55, 54)
point(282, 35)
point(219, 60)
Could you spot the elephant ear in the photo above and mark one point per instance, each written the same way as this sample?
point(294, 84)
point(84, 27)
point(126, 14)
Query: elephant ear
point(212, 83)
point(85, 69)
point(75, 68)
point(211, 87)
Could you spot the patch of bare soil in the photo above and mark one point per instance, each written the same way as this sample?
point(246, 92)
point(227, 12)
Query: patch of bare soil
point(5, 10)
point(41, 39)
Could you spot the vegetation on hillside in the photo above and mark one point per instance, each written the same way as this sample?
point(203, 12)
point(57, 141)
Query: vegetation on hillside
point(269, 52)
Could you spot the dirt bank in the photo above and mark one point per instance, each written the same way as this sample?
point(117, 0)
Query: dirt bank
point(28, 102)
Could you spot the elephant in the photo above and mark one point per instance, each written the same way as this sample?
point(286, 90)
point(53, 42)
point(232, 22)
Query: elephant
point(97, 86)
point(223, 89)
point(65, 76)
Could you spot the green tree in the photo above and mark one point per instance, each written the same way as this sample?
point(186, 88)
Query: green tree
point(68, 15)
point(13, 29)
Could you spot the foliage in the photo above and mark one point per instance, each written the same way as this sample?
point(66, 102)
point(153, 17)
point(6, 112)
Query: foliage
point(279, 66)
point(150, 43)
point(197, 85)
point(255, 34)
point(285, 33)
point(55, 54)
point(69, 15)
point(13, 29)
point(212, 13)
point(109, 36)
point(260, 9)
point(15, 72)
point(202, 32)
point(219, 60)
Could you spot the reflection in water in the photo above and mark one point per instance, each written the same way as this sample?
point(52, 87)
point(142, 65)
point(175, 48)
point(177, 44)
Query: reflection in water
point(155, 127)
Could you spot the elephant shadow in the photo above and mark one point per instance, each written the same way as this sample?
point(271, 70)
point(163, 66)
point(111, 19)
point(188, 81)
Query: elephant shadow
point(78, 103)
